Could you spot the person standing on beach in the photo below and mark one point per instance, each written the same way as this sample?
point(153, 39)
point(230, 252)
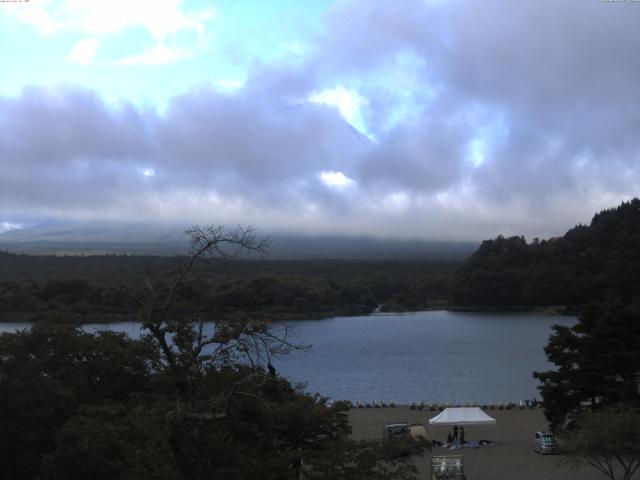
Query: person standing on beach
point(455, 433)
point(461, 435)
point(296, 466)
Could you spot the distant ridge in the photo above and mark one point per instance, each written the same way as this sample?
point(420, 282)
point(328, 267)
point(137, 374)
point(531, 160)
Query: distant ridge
point(137, 239)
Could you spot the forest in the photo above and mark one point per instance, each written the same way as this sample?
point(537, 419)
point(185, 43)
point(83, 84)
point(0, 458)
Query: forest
point(94, 288)
point(589, 263)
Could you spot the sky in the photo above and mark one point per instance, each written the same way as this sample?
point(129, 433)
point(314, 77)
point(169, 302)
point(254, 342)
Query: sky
point(421, 119)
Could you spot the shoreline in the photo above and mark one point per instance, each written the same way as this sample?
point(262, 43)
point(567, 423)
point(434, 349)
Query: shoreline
point(553, 311)
point(437, 407)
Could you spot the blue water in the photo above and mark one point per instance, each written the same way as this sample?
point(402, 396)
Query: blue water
point(434, 356)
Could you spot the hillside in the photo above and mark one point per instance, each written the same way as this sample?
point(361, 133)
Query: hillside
point(589, 263)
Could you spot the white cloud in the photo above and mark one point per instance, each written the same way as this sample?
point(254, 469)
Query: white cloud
point(162, 19)
point(346, 101)
point(335, 179)
point(84, 51)
point(160, 55)
point(99, 17)
point(35, 14)
point(230, 85)
point(8, 226)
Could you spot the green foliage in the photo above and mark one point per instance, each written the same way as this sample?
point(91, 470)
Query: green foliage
point(94, 288)
point(597, 361)
point(112, 441)
point(606, 440)
point(47, 373)
point(79, 406)
point(589, 263)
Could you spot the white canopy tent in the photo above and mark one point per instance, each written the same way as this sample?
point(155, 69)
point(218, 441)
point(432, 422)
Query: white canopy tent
point(462, 416)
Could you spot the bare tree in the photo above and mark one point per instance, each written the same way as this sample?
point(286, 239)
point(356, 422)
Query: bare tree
point(183, 341)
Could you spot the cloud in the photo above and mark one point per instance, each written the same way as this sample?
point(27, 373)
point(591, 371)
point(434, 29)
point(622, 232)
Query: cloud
point(91, 159)
point(8, 226)
point(96, 17)
point(84, 51)
point(348, 103)
point(36, 15)
point(334, 179)
point(482, 125)
point(159, 55)
point(163, 20)
point(230, 85)
point(551, 111)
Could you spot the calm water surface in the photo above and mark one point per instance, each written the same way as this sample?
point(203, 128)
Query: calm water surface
point(425, 356)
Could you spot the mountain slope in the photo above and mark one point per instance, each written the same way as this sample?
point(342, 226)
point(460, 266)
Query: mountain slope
point(588, 263)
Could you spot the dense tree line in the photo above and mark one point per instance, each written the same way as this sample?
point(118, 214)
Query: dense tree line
point(95, 287)
point(589, 263)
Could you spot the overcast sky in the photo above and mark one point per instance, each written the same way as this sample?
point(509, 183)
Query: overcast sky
point(435, 119)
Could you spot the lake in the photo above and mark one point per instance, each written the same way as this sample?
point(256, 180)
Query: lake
point(435, 356)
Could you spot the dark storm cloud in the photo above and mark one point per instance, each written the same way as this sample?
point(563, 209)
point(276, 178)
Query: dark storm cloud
point(546, 92)
point(66, 150)
point(65, 147)
point(421, 158)
point(236, 136)
point(564, 74)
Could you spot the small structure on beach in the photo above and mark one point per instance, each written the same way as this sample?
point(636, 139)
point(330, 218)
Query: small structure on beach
point(462, 416)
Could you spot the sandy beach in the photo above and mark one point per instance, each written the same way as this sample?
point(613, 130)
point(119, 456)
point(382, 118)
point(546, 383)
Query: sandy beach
point(511, 459)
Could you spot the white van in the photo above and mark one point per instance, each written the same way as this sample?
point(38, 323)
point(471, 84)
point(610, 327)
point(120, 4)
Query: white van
point(545, 442)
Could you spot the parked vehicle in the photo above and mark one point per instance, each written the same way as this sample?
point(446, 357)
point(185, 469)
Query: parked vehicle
point(545, 442)
point(447, 467)
point(395, 429)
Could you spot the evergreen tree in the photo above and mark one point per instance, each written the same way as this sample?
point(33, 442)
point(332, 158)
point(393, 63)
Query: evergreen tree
point(598, 362)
